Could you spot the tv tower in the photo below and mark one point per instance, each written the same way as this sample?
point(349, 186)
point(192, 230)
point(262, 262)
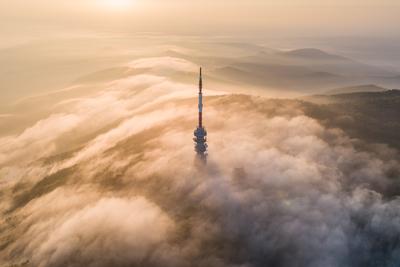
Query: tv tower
point(200, 133)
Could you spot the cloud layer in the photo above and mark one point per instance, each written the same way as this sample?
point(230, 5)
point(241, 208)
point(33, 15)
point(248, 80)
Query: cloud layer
point(279, 188)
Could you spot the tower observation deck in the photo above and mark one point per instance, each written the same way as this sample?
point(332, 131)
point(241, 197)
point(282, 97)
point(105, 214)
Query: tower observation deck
point(200, 134)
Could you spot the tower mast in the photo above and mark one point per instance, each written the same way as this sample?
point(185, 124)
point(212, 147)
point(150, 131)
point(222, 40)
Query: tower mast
point(200, 101)
point(200, 134)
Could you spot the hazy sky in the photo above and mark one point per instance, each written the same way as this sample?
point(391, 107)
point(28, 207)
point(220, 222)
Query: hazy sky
point(235, 17)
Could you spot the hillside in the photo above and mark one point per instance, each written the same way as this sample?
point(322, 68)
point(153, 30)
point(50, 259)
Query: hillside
point(370, 116)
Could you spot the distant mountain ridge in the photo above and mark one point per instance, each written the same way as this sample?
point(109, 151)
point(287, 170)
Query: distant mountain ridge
point(307, 70)
point(386, 93)
point(313, 53)
point(356, 89)
point(356, 97)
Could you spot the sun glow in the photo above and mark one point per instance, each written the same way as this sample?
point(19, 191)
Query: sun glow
point(117, 4)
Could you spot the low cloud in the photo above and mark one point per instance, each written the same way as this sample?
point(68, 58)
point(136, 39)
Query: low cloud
point(135, 229)
point(279, 188)
point(36, 141)
point(163, 64)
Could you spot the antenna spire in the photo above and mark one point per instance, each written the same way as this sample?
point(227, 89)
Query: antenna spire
point(200, 81)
